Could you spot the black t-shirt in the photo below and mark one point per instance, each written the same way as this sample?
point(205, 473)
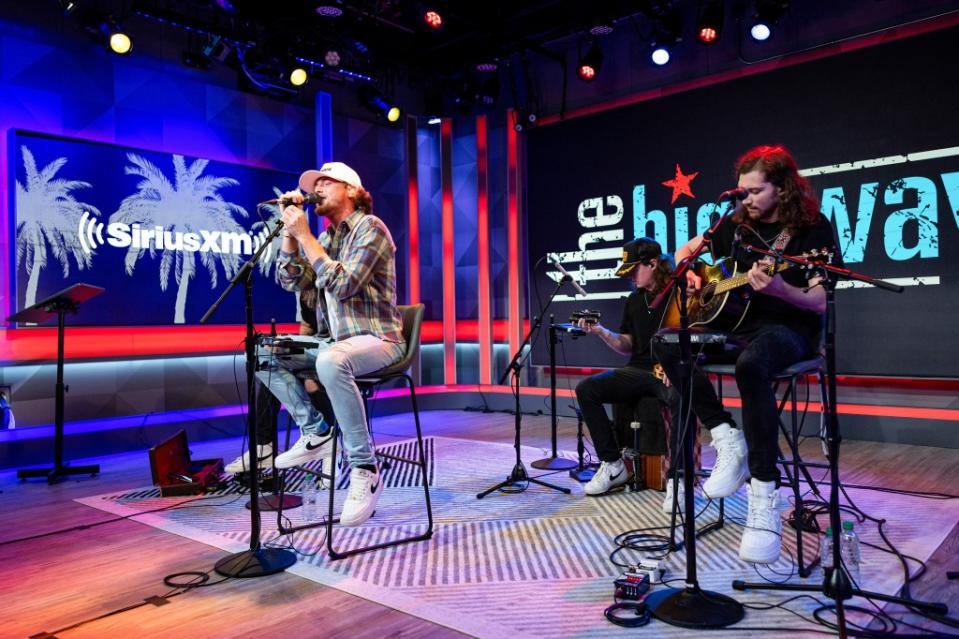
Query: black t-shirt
point(766, 309)
point(641, 323)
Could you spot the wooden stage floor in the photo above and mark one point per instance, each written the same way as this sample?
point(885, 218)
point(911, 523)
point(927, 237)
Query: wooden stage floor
point(53, 582)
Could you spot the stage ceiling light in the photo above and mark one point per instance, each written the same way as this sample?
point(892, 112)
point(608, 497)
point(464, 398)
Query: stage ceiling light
point(667, 33)
point(660, 55)
point(433, 19)
point(601, 26)
point(67, 6)
point(379, 105)
point(329, 11)
point(120, 42)
point(767, 13)
point(760, 32)
point(709, 22)
point(298, 76)
point(590, 64)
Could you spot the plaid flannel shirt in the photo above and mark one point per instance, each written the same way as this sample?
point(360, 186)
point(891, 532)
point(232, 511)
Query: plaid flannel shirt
point(359, 271)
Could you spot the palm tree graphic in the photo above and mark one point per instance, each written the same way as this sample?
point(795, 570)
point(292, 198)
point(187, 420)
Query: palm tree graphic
point(48, 218)
point(264, 228)
point(189, 204)
point(267, 223)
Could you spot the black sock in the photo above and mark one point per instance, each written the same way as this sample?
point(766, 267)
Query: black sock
point(369, 467)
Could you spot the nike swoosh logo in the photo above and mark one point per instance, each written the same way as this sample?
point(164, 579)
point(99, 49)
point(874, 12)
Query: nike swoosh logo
point(612, 477)
point(374, 487)
point(308, 447)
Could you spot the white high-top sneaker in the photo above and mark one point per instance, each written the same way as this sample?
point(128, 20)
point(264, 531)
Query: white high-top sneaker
point(731, 469)
point(762, 536)
point(609, 476)
point(668, 501)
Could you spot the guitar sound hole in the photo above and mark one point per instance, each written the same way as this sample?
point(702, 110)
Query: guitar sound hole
point(707, 295)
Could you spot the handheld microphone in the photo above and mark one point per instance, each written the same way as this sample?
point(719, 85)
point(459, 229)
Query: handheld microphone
point(734, 194)
point(309, 198)
point(552, 257)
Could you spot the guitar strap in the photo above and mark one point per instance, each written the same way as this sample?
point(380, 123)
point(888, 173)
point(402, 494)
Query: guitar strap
point(779, 244)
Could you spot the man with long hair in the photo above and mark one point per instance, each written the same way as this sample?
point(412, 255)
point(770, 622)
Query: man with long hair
point(352, 269)
point(648, 270)
point(780, 328)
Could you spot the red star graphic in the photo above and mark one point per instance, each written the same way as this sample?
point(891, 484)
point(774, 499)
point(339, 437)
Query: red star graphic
point(680, 184)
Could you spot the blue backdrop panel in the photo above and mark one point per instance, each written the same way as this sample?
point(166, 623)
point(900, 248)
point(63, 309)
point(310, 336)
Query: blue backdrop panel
point(378, 154)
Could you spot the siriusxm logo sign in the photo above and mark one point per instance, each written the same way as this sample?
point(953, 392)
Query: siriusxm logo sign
point(123, 235)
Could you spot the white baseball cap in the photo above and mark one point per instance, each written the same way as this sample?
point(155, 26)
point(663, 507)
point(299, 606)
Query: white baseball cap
point(333, 170)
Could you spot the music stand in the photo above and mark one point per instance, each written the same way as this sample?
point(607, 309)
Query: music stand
point(66, 301)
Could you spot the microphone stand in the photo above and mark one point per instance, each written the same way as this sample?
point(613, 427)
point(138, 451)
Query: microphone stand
point(690, 607)
point(257, 561)
point(583, 472)
point(553, 462)
point(836, 583)
point(514, 483)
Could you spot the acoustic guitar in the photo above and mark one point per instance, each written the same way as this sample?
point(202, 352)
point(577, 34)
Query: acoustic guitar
point(724, 299)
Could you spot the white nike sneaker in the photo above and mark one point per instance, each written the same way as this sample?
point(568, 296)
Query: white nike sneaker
point(731, 469)
point(365, 490)
point(763, 533)
point(264, 459)
point(609, 476)
point(306, 449)
point(668, 500)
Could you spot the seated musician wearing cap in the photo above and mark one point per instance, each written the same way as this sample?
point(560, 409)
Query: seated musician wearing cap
point(649, 271)
point(352, 267)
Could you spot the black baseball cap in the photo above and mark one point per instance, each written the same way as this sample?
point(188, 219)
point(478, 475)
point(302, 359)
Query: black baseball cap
point(638, 251)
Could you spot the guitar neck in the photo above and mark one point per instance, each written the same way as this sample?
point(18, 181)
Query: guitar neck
point(730, 283)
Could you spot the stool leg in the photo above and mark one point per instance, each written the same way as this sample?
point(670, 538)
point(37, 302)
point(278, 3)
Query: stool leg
point(422, 452)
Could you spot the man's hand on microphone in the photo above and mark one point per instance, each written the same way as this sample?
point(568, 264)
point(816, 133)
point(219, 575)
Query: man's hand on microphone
point(295, 224)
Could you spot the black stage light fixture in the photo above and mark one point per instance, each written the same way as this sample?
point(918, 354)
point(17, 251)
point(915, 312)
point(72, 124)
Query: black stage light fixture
point(767, 14)
point(67, 6)
point(432, 18)
point(709, 21)
point(590, 64)
point(667, 33)
point(378, 104)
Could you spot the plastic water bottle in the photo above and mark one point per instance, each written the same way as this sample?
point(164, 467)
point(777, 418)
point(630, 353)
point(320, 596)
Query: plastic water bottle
point(849, 550)
point(310, 496)
point(825, 550)
point(7, 422)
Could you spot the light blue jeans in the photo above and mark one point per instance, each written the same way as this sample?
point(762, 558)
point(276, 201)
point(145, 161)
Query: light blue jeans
point(337, 365)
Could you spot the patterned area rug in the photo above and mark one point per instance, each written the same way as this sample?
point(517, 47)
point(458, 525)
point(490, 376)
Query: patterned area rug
point(534, 564)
